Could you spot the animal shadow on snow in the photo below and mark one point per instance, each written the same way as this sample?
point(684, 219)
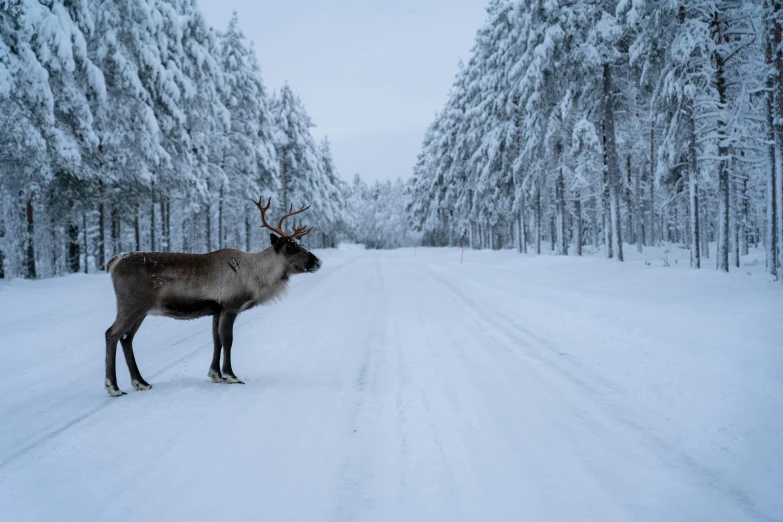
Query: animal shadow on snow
point(266, 381)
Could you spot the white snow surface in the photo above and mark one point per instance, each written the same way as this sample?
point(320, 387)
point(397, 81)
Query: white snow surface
point(403, 385)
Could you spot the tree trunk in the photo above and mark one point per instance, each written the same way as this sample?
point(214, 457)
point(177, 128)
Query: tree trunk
point(220, 218)
point(120, 246)
point(209, 224)
point(779, 202)
point(693, 189)
point(168, 222)
point(613, 160)
point(694, 221)
point(523, 223)
point(704, 223)
point(152, 218)
point(629, 202)
point(510, 237)
point(562, 238)
point(775, 122)
point(86, 244)
point(579, 225)
point(101, 261)
point(736, 242)
point(525, 231)
point(651, 214)
point(114, 230)
point(723, 152)
point(73, 247)
point(284, 182)
point(717, 247)
point(744, 217)
point(164, 233)
point(2, 246)
point(606, 219)
point(55, 246)
point(248, 229)
point(538, 218)
point(665, 232)
point(165, 222)
point(186, 233)
point(137, 229)
point(594, 223)
point(30, 272)
point(638, 211)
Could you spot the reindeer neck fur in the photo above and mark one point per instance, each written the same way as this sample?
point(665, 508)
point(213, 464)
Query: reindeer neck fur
point(269, 273)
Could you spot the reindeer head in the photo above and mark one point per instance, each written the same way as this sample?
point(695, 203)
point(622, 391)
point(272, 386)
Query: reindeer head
point(297, 257)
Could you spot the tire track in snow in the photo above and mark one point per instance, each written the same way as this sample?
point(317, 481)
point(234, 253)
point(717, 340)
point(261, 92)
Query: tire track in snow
point(356, 473)
point(61, 427)
point(57, 428)
point(529, 446)
point(427, 487)
point(583, 380)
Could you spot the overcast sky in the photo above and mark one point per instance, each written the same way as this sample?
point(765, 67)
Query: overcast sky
point(371, 74)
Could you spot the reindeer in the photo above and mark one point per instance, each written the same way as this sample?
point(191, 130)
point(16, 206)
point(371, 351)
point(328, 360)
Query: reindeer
point(222, 284)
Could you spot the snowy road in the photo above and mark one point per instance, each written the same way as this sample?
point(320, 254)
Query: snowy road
point(402, 385)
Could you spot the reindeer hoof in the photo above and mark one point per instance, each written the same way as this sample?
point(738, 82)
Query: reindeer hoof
point(215, 376)
point(112, 389)
point(232, 379)
point(141, 385)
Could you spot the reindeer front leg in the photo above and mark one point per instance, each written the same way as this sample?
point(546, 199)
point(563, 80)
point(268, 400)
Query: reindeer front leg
point(214, 368)
point(226, 328)
point(137, 381)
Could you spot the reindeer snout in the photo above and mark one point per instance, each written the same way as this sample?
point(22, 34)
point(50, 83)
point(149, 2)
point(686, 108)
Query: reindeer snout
point(313, 264)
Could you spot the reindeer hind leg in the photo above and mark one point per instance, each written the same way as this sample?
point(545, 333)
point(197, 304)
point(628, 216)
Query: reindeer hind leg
point(112, 337)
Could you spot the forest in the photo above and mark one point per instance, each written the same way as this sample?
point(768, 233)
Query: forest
point(579, 127)
point(594, 125)
point(133, 125)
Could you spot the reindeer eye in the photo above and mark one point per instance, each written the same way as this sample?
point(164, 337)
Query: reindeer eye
point(290, 249)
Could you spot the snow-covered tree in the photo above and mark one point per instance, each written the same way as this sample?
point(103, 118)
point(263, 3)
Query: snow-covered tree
point(248, 164)
point(134, 125)
point(296, 150)
point(591, 122)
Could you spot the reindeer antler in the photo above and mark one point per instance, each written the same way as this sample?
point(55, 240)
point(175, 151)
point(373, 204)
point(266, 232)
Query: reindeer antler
point(298, 233)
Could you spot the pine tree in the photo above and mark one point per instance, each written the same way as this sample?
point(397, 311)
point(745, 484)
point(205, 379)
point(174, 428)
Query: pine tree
point(296, 150)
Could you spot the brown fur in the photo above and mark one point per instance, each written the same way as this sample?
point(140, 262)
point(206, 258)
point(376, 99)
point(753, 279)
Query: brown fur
point(187, 286)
